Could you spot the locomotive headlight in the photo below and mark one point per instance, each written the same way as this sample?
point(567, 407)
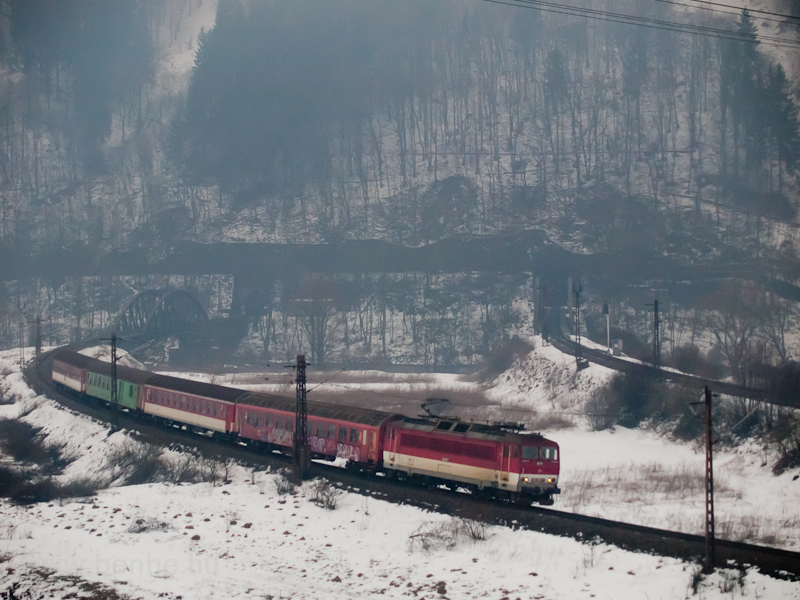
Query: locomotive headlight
point(549, 480)
point(525, 479)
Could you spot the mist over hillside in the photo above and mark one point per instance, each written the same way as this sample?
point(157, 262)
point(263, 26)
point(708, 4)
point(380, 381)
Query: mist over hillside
point(411, 122)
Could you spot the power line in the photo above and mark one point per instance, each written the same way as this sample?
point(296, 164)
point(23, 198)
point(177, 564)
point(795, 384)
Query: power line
point(715, 10)
point(646, 22)
point(657, 23)
point(752, 10)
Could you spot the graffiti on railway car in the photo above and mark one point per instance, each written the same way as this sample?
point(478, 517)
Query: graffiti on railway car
point(347, 451)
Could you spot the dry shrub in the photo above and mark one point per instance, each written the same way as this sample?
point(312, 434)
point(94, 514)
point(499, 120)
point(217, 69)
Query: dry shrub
point(137, 463)
point(545, 422)
point(323, 494)
point(445, 534)
point(151, 524)
point(639, 483)
point(24, 489)
point(283, 483)
point(503, 357)
point(21, 441)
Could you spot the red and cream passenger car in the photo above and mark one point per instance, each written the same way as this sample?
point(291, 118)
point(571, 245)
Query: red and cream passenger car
point(69, 370)
point(478, 456)
point(349, 433)
point(203, 406)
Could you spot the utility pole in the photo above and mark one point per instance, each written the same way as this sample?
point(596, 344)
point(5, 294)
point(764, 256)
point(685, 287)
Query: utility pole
point(580, 361)
point(656, 335)
point(114, 399)
point(302, 452)
point(38, 339)
point(710, 543)
point(545, 315)
point(21, 342)
point(577, 326)
point(608, 326)
point(710, 561)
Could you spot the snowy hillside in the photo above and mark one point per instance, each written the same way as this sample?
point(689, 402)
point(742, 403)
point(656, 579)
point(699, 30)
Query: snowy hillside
point(241, 539)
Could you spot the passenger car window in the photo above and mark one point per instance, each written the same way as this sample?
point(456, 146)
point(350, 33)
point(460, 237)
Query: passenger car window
point(270, 419)
point(280, 422)
point(289, 424)
point(354, 436)
point(331, 431)
point(342, 434)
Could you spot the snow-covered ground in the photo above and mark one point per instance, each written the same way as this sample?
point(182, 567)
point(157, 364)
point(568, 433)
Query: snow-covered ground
point(244, 540)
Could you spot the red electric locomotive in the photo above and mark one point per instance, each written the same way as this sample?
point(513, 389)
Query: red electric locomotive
point(494, 459)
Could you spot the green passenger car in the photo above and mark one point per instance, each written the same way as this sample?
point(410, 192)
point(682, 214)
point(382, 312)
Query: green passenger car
point(99, 386)
point(129, 384)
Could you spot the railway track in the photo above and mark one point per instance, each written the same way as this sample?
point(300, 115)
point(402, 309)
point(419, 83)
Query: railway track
point(638, 369)
point(771, 561)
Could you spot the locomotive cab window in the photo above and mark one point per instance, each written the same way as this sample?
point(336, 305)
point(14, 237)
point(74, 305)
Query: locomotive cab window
point(529, 452)
point(548, 453)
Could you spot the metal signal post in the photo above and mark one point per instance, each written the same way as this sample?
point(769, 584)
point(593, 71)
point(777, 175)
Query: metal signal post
point(302, 451)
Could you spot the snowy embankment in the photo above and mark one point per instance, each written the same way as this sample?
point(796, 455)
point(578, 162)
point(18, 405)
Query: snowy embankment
point(242, 539)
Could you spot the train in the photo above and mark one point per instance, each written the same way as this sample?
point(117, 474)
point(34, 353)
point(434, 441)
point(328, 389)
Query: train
point(497, 460)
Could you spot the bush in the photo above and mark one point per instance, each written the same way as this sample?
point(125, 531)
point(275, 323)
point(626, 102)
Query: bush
point(503, 356)
point(137, 463)
point(323, 494)
point(689, 359)
point(283, 484)
point(446, 534)
point(19, 440)
point(627, 400)
point(23, 489)
point(599, 411)
point(145, 525)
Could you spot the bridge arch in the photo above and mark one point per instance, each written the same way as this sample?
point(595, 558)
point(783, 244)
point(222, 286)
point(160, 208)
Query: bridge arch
point(159, 313)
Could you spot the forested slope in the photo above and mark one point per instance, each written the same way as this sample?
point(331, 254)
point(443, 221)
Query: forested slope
point(412, 121)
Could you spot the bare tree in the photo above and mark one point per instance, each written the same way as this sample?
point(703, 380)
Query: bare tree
point(776, 319)
point(733, 320)
point(314, 303)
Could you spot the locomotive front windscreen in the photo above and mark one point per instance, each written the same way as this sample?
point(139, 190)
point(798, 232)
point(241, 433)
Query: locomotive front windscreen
point(534, 452)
